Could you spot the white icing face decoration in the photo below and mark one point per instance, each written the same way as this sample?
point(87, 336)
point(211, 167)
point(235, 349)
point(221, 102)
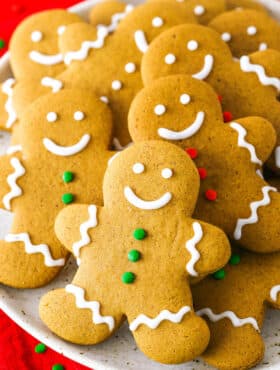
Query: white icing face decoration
point(185, 99)
point(130, 67)
point(192, 46)
point(160, 109)
point(138, 168)
point(226, 36)
point(61, 29)
point(166, 173)
point(251, 30)
point(36, 36)
point(116, 85)
point(157, 22)
point(199, 10)
point(79, 116)
point(170, 59)
point(52, 117)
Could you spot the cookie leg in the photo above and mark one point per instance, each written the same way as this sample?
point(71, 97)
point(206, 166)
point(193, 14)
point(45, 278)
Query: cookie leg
point(72, 316)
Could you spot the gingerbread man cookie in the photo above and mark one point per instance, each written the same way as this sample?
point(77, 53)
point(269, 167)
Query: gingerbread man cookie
point(234, 306)
point(233, 194)
point(146, 232)
point(65, 137)
point(247, 88)
point(247, 31)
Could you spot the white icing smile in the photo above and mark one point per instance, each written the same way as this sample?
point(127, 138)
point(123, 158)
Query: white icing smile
point(45, 59)
point(66, 150)
point(186, 133)
point(137, 202)
point(206, 69)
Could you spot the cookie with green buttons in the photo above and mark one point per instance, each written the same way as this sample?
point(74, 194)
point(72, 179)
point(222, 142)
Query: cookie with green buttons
point(65, 139)
point(137, 256)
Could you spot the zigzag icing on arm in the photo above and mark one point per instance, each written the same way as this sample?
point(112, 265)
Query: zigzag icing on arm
point(7, 88)
point(243, 143)
point(274, 292)
point(235, 320)
point(53, 83)
point(163, 315)
point(247, 66)
point(94, 306)
point(254, 206)
point(191, 247)
point(141, 41)
point(33, 249)
point(16, 191)
point(84, 228)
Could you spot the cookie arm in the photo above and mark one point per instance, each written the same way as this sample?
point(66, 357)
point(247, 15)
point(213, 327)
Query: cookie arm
point(8, 115)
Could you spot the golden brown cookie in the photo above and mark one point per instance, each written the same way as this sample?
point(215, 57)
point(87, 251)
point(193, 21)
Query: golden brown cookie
point(105, 12)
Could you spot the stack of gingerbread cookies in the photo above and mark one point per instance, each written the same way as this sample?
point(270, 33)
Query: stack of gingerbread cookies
point(145, 142)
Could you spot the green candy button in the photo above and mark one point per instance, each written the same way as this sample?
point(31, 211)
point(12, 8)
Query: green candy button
point(40, 348)
point(68, 176)
point(67, 198)
point(128, 277)
point(134, 255)
point(219, 275)
point(58, 367)
point(139, 234)
point(2, 43)
point(234, 259)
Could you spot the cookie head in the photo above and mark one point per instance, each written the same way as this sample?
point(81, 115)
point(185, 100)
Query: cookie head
point(191, 49)
point(151, 176)
point(178, 109)
point(64, 124)
point(34, 45)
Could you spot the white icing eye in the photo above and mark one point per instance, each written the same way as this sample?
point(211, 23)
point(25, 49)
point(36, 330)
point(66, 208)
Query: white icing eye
point(130, 67)
point(36, 36)
point(166, 173)
point(60, 30)
point(79, 116)
point(251, 30)
point(199, 10)
point(116, 85)
point(160, 109)
point(226, 36)
point(104, 99)
point(185, 99)
point(263, 46)
point(192, 45)
point(51, 117)
point(157, 22)
point(138, 168)
point(170, 59)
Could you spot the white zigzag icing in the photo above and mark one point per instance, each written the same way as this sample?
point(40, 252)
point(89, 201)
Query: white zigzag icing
point(163, 315)
point(247, 66)
point(235, 320)
point(53, 83)
point(274, 292)
point(241, 222)
point(12, 181)
point(7, 89)
point(94, 306)
point(191, 247)
point(32, 249)
point(243, 143)
point(141, 41)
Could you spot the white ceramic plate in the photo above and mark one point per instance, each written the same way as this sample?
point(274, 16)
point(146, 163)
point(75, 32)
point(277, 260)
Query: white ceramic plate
point(120, 352)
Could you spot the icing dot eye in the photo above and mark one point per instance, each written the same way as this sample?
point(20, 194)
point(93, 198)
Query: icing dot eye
point(199, 10)
point(170, 59)
point(60, 30)
point(138, 168)
point(192, 45)
point(185, 99)
point(52, 117)
point(36, 36)
point(226, 36)
point(166, 173)
point(79, 116)
point(116, 85)
point(263, 46)
point(157, 22)
point(160, 109)
point(130, 67)
point(104, 99)
point(251, 30)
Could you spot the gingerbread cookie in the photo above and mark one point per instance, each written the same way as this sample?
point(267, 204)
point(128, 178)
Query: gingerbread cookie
point(150, 191)
point(234, 306)
point(233, 194)
point(247, 31)
point(248, 88)
point(65, 137)
point(245, 4)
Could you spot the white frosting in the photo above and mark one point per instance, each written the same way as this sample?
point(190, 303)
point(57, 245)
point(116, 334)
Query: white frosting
point(94, 306)
point(79, 116)
point(140, 41)
point(274, 292)
point(206, 69)
point(36, 36)
point(34, 249)
point(14, 149)
point(166, 173)
point(84, 228)
point(66, 150)
point(235, 320)
point(243, 143)
point(277, 156)
point(15, 191)
point(137, 202)
point(45, 59)
point(260, 174)
point(192, 45)
point(53, 83)
point(104, 99)
point(118, 146)
point(199, 10)
point(254, 206)
point(191, 248)
point(170, 59)
point(157, 22)
point(186, 133)
point(159, 109)
point(138, 168)
point(51, 116)
point(263, 46)
point(116, 18)
point(60, 30)
point(185, 99)
point(130, 67)
point(7, 88)
point(116, 85)
point(163, 315)
point(226, 36)
point(251, 30)
point(247, 66)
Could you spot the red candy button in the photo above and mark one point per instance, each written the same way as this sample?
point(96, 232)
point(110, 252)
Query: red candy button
point(192, 152)
point(220, 98)
point(227, 116)
point(202, 173)
point(211, 195)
